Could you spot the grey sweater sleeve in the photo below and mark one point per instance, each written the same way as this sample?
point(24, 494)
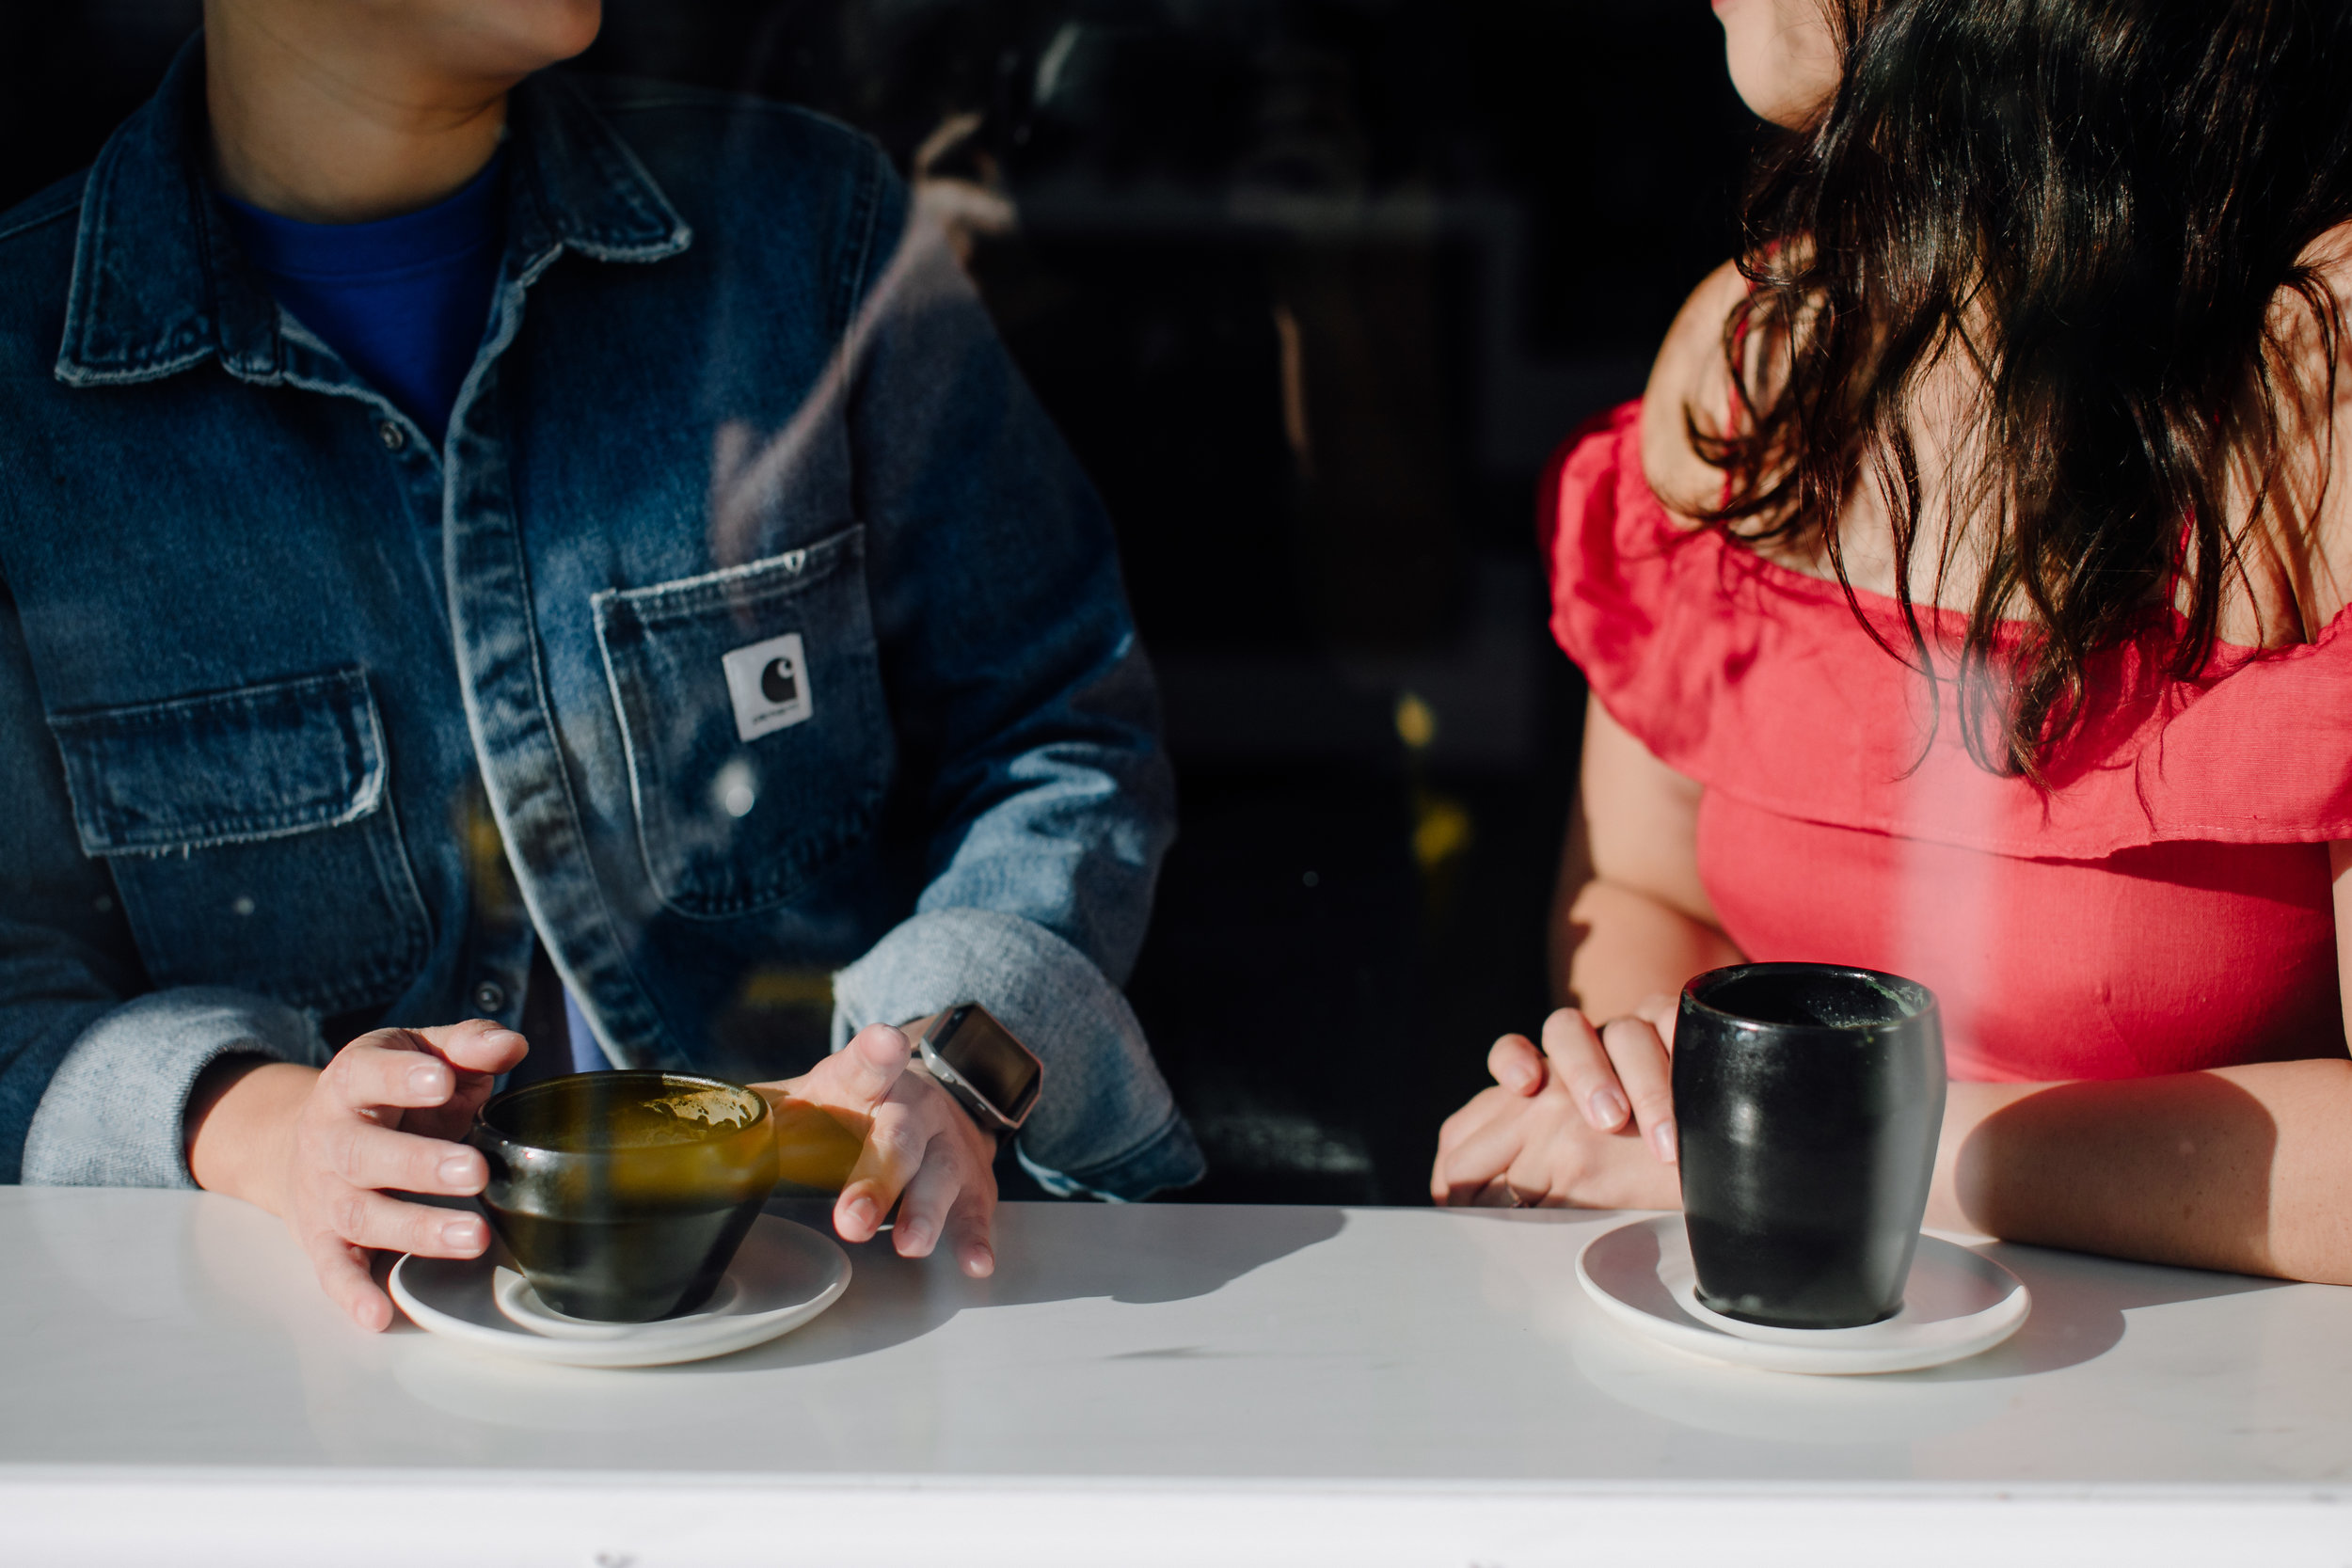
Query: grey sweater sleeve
point(1106, 1125)
point(112, 1112)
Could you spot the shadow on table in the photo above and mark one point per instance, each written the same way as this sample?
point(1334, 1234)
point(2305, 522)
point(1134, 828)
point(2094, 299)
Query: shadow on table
point(1045, 1253)
point(1155, 1253)
point(2078, 1306)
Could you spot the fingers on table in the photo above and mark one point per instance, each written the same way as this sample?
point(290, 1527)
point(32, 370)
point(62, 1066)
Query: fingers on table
point(950, 1198)
point(342, 1271)
point(1456, 1131)
point(972, 1228)
point(353, 1223)
point(1479, 1159)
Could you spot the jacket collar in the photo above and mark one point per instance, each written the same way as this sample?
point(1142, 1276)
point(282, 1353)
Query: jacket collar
point(159, 284)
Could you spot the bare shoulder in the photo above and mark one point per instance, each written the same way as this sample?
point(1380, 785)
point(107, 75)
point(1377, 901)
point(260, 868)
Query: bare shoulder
point(1690, 376)
point(2316, 347)
point(2310, 520)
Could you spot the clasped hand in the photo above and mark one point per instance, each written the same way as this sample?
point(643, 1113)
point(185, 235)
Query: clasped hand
point(326, 1150)
point(1585, 1122)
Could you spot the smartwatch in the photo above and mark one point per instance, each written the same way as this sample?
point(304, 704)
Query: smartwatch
point(979, 1060)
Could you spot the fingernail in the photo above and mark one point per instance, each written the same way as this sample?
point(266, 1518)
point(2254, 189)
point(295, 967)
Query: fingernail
point(861, 1213)
point(979, 1263)
point(1606, 1109)
point(912, 1234)
point(457, 1170)
point(1664, 1138)
point(463, 1233)
point(425, 1078)
point(1520, 1078)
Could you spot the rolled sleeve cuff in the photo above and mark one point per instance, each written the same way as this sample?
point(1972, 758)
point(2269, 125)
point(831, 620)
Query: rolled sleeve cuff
point(1106, 1125)
point(114, 1115)
point(1167, 1159)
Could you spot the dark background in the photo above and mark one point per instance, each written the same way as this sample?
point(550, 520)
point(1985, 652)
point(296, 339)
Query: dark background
point(1312, 285)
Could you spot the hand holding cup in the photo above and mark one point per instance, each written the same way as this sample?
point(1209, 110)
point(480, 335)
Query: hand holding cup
point(325, 1148)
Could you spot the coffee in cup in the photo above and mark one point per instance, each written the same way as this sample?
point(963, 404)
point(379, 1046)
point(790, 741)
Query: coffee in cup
point(621, 1196)
point(1808, 1101)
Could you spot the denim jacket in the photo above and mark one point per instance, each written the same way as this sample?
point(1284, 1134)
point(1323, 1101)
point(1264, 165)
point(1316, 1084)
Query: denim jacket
point(751, 618)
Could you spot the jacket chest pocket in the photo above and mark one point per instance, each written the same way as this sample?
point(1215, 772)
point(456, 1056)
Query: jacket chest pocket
point(251, 838)
point(759, 737)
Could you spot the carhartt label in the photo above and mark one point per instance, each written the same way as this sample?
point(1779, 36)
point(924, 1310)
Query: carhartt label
point(768, 682)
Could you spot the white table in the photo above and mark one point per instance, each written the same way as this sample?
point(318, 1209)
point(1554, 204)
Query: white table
point(1158, 1384)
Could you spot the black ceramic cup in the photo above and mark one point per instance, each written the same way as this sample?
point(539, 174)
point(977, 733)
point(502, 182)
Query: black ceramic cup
point(623, 1196)
point(1808, 1100)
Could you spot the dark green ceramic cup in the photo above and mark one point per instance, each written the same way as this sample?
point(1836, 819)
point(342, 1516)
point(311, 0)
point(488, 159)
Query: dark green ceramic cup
point(623, 1196)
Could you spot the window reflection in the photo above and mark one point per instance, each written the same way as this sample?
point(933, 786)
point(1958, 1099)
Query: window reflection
point(1312, 288)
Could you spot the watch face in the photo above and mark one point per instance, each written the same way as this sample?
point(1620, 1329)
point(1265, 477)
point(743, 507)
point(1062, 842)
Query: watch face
point(998, 1067)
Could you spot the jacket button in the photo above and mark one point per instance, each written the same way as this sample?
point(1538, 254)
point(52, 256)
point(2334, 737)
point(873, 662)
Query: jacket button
point(394, 437)
point(489, 996)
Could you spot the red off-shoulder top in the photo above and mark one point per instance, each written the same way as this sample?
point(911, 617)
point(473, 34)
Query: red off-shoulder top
point(2163, 906)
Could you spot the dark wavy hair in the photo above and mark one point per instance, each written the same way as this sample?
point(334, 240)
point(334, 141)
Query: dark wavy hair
point(2102, 204)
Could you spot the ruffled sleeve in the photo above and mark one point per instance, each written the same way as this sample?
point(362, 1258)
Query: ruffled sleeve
point(1761, 682)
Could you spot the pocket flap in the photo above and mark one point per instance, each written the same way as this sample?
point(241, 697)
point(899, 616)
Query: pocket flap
point(756, 724)
point(260, 761)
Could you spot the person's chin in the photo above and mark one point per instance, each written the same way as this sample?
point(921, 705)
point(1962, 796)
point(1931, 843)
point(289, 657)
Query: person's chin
point(519, 37)
point(1773, 102)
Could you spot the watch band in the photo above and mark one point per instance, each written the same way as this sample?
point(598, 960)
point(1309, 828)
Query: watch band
point(982, 1114)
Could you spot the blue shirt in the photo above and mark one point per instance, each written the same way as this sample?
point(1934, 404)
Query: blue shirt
point(402, 299)
point(751, 595)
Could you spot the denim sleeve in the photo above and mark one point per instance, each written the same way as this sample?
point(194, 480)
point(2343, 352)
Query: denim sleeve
point(93, 1087)
point(1024, 703)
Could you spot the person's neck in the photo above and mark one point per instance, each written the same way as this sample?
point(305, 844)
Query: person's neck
point(302, 128)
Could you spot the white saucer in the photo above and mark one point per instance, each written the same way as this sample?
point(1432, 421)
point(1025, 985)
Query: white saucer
point(1956, 1303)
point(783, 1275)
